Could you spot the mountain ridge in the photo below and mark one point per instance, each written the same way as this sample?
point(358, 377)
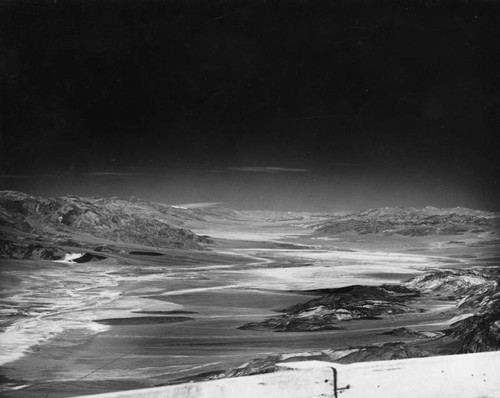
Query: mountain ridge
point(411, 221)
point(25, 218)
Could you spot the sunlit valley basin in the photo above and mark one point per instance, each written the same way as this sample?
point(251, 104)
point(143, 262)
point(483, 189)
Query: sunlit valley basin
point(131, 315)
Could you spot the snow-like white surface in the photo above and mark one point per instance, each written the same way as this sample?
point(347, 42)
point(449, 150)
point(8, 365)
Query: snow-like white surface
point(467, 375)
point(331, 269)
point(69, 258)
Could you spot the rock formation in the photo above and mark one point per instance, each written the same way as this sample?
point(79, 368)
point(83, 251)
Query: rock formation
point(351, 302)
point(411, 222)
point(36, 227)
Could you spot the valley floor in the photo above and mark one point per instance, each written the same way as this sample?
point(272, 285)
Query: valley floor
point(176, 315)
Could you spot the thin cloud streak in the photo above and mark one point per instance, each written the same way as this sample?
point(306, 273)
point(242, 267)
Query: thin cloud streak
point(111, 174)
point(269, 169)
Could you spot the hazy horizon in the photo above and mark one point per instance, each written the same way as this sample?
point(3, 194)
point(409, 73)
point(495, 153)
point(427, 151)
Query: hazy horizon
point(278, 191)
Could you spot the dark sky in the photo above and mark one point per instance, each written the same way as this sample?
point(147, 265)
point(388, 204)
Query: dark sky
point(300, 105)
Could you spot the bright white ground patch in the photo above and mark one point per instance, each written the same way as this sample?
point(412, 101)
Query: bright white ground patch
point(69, 258)
point(331, 269)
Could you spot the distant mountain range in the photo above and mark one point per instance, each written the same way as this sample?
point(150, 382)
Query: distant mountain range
point(411, 222)
point(38, 227)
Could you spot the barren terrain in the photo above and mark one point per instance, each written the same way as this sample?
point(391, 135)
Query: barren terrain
point(105, 294)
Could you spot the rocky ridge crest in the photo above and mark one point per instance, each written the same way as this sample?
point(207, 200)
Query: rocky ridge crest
point(31, 220)
point(411, 222)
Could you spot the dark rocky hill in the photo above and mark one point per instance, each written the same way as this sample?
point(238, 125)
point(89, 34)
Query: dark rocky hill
point(475, 292)
point(334, 305)
point(72, 220)
point(412, 222)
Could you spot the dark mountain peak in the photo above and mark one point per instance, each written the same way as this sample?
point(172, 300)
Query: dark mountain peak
point(103, 218)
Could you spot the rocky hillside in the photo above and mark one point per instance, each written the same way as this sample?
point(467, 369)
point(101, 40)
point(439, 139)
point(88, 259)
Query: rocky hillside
point(477, 296)
point(334, 305)
point(412, 222)
point(470, 286)
point(476, 292)
point(70, 220)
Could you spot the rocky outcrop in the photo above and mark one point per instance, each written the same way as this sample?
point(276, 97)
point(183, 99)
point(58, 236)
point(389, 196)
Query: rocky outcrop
point(334, 305)
point(478, 333)
point(12, 249)
point(476, 293)
point(109, 219)
point(37, 251)
point(456, 284)
point(412, 334)
point(411, 222)
point(474, 289)
point(481, 331)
